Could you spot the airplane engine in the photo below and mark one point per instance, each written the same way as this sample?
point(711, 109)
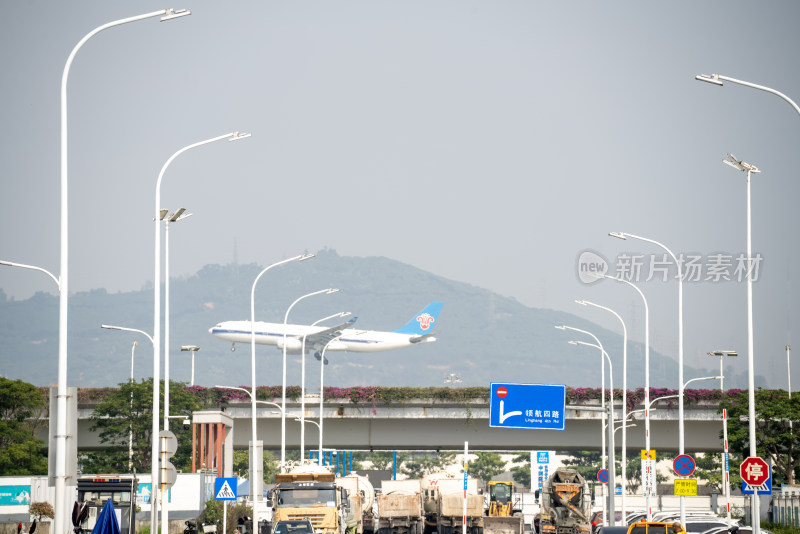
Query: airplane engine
point(292, 344)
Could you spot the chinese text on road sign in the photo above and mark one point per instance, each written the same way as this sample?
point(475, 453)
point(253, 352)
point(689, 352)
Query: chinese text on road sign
point(537, 406)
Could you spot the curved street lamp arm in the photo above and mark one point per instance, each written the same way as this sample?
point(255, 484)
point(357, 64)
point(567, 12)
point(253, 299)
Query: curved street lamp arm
point(34, 268)
point(714, 79)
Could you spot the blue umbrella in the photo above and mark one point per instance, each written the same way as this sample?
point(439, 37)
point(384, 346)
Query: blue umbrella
point(107, 520)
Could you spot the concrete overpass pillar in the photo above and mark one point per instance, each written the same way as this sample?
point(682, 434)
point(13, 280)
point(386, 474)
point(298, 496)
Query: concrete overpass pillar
point(212, 442)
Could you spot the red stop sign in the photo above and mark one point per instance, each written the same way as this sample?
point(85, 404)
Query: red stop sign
point(502, 392)
point(754, 471)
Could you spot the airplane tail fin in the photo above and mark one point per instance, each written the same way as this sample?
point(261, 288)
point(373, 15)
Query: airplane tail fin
point(423, 322)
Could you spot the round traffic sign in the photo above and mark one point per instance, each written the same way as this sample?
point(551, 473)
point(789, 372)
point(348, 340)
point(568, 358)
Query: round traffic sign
point(683, 465)
point(602, 476)
point(754, 471)
point(502, 392)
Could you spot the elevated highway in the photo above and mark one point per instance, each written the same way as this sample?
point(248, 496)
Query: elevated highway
point(427, 424)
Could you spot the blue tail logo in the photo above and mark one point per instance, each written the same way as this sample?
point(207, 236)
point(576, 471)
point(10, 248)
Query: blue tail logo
point(423, 322)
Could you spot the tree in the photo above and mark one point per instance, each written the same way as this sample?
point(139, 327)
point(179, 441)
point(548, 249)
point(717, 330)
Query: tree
point(384, 460)
point(130, 409)
point(241, 465)
point(486, 466)
point(587, 463)
point(425, 464)
point(777, 417)
point(42, 509)
point(22, 407)
point(522, 473)
point(709, 468)
point(213, 513)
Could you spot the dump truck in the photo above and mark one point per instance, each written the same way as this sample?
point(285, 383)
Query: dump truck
point(310, 492)
point(565, 503)
point(361, 494)
point(429, 484)
point(503, 513)
point(400, 508)
point(450, 507)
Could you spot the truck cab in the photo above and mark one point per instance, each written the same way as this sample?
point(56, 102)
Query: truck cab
point(312, 496)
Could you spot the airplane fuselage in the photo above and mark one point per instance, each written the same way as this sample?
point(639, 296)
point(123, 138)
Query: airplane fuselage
point(350, 340)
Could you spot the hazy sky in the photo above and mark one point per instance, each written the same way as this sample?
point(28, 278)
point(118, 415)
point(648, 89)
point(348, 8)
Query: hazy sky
point(488, 142)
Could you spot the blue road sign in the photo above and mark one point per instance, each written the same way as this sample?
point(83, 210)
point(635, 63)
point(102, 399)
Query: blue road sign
point(602, 476)
point(684, 465)
point(534, 406)
point(543, 457)
point(225, 489)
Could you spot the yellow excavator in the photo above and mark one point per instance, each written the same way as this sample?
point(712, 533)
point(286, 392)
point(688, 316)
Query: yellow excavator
point(503, 516)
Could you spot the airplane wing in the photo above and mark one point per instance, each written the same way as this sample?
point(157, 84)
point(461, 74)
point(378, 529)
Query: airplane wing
point(320, 339)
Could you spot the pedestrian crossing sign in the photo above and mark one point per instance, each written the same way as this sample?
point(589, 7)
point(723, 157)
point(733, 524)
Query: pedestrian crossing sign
point(225, 489)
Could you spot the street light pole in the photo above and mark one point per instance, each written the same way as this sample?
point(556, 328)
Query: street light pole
point(602, 402)
point(624, 464)
point(233, 136)
point(193, 349)
point(257, 497)
point(715, 80)
point(283, 389)
point(303, 382)
point(740, 165)
point(130, 426)
point(154, 480)
point(611, 518)
point(624, 235)
point(322, 362)
point(725, 469)
point(303, 423)
point(173, 217)
point(646, 380)
point(61, 406)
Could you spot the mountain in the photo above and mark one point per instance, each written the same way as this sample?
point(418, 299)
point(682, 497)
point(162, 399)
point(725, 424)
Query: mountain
point(482, 337)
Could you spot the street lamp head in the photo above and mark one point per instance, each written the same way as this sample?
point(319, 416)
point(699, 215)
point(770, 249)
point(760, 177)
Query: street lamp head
point(162, 213)
point(189, 347)
point(561, 327)
point(305, 256)
point(235, 136)
point(739, 165)
point(175, 13)
point(618, 235)
point(331, 290)
point(712, 79)
point(110, 327)
point(576, 343)
point(723, 353)
point(581, 302)
point(178, 215)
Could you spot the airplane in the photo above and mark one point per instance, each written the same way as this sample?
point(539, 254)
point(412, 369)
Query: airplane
point(337, 338)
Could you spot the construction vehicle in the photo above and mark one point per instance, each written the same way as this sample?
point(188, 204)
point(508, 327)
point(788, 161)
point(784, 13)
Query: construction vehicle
point(400, 508)
point(429, 484)
point(503, 513)
point(310, 492)
point(565, 503)
point(450, 514)
point(361, 494)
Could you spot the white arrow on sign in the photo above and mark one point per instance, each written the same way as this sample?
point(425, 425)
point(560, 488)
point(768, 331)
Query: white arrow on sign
point(504, 416)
